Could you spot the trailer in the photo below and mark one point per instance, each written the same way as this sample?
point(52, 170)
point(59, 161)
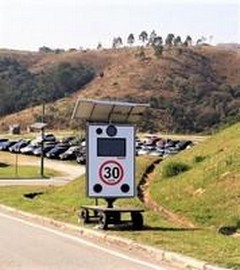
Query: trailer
point(105, 216)
point(110, 144)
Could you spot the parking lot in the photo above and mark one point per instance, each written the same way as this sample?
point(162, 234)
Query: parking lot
point(74, 148)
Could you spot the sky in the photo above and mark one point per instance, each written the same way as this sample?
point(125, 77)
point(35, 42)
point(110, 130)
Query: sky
point(30, 24)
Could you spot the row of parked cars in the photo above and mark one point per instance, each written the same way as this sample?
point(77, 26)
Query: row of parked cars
point(69, 148)
point(74, 148)
point(157, 146)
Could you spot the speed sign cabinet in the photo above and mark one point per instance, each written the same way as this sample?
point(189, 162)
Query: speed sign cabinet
point(110, 159)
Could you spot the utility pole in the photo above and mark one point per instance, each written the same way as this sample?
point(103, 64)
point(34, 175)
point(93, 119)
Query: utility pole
point(42, 142)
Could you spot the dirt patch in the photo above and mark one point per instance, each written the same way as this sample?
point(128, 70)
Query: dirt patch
point(144, 196)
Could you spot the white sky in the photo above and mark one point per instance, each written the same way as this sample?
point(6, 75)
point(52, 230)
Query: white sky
point(30, 24)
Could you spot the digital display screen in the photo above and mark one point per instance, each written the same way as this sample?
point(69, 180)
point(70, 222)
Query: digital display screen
point(111, 147)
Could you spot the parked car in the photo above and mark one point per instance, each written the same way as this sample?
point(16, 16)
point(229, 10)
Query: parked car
point(181, 145)
point(159, 152)
point(145, 150)
point(28, 150)
point(17, 146)
point(46, 148)
point(67, 139)
point(70, 153)
point(57, 150)
point(81, 158)
point(47, 138)
point(5, 145)
point(3, 140)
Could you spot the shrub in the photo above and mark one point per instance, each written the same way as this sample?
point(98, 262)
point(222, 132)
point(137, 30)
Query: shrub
point(198, 159)
point(174, 168)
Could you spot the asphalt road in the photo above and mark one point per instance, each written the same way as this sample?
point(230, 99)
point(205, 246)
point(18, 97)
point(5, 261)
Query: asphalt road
point(26, 245)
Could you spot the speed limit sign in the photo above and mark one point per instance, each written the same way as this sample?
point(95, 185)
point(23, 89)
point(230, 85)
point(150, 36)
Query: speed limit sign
point(111, 172)
point(111, 160)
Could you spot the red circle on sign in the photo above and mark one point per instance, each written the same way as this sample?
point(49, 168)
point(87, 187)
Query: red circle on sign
point(111, 172)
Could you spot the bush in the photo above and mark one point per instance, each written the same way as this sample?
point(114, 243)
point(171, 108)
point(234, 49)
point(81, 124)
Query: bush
point(174, 168)
point(198, 159)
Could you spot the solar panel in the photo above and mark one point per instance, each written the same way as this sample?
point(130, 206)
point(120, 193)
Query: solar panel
point(108, 111)
point(39, 125)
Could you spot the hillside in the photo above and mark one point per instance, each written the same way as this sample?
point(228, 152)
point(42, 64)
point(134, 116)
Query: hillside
point(190, 89)
point(207, 193)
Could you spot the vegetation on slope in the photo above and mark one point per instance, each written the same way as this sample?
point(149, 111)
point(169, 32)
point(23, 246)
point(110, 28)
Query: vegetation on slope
point(208, 192)
point(190, 89)
point(20, 88)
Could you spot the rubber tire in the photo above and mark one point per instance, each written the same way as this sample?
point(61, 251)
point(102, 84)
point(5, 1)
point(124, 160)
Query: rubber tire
point(85, 215)
point(137, 220)
point(103, 220)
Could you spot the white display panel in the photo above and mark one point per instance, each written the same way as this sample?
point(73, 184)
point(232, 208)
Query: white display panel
point(111, 161)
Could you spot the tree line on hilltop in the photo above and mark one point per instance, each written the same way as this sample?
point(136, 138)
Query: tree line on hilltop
point(152, 39)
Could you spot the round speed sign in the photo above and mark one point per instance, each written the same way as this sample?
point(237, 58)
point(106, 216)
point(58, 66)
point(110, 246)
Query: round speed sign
point(111, 172)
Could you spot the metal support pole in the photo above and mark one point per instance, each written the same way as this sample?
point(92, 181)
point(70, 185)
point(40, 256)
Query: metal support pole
point(42, 154)
point(110, 202)
point(42, 142)
point(16, 166)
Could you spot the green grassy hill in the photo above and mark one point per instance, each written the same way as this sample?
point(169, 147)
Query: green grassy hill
point(208, 193)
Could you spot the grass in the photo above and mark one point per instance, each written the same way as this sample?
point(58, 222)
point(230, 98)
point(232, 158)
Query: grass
point(10, 171)
point(207, 194)
point(11, 166)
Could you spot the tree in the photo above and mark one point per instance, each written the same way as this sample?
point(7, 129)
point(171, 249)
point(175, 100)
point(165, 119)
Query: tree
point(157, 45)
point(188, 41)
point(130, 39)
point(152, 37)
point(117, 42)
point(158, 50)
point(143, 36)
point(157, 41)
point(45, 49)
point(169, 40)
point(201, 40)
point(177, 41)
point(99, 46)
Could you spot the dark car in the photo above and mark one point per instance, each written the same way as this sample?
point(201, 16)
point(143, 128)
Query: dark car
point(3, 140)
point(183, 144)
point(29, 149)
point(57, 150)
point(5, 145)
point(81, 158)
point(17, 146)
point(46, 148)
point(70, 153)
point(47, 138)
point(68, 139)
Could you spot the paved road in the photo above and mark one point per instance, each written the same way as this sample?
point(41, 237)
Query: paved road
point(27, 246)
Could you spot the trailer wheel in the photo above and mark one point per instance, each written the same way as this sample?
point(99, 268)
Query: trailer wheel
point(137, 220)
point(103, 220)
point(114, 217)
point(85, 215)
